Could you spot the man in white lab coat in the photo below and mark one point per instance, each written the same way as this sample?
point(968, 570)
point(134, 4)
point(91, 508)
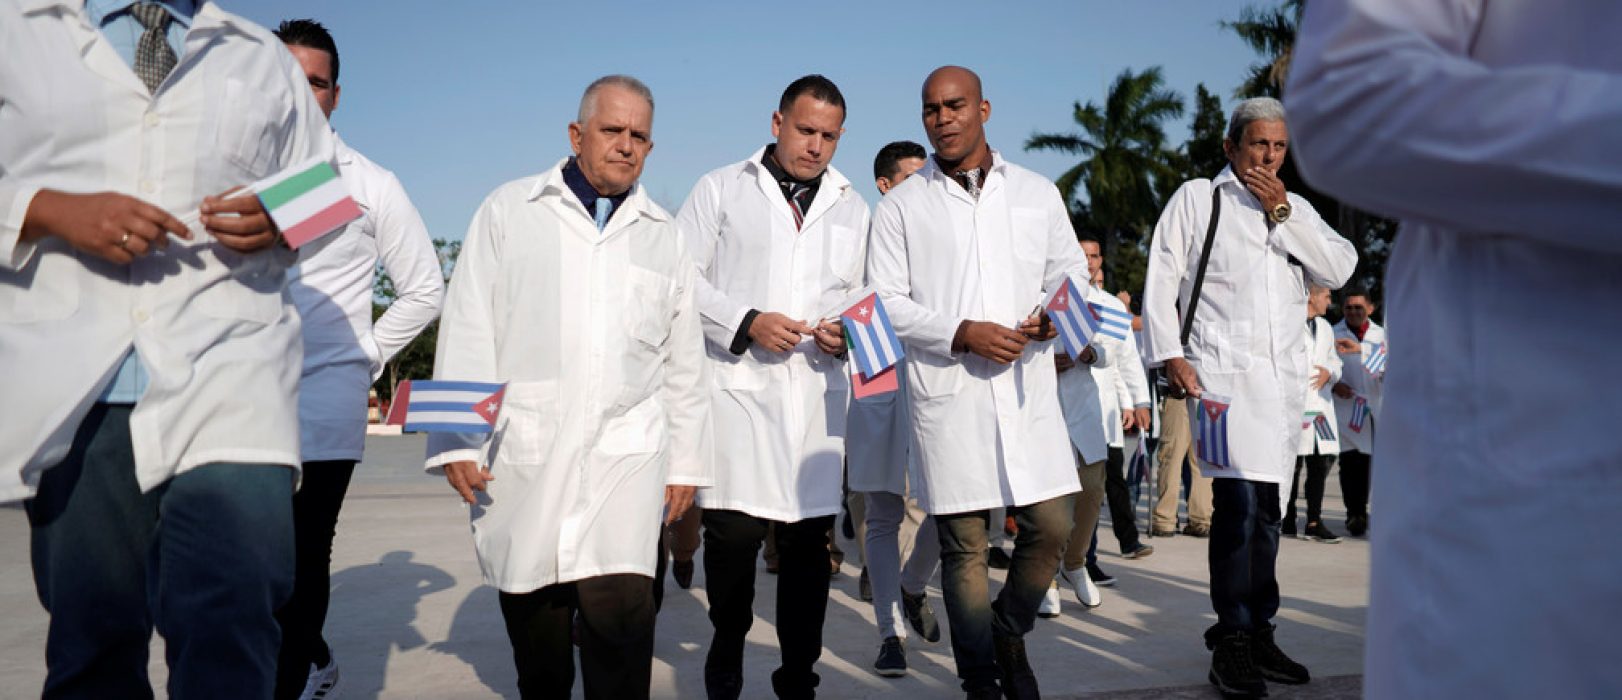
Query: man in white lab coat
point(779, 240)
point(574, 290)
point(877, 458)
point(1126, 390)
point(1490, 129)
point(1245, 365)
point(344, 352)
point(1358, 397)
point(960, 253)
point(1317, 445)
point(146, 369)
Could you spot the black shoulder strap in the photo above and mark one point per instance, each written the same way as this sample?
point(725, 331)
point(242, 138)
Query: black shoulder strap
point(1205, 259)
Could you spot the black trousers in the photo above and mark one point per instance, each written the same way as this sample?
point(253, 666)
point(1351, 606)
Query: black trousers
point(315, 522)
point(732, 541)
point(1318, 466)
point(1354, 483)
point(1243, 554)
point(616, 637)
point(1122, 517)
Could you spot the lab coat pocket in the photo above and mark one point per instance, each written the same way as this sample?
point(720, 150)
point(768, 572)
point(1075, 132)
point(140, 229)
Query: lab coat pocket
point(245, 126)
point(249, 287)
point(844, 248)
point(930, 381)
point(648, 316)
point(639, 431)
point(1223, 348)
point(528, 424)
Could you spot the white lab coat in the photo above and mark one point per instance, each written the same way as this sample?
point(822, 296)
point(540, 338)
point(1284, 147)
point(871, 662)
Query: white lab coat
point(1246, 342)
point(596, 337)
point(1490, 128)
point(985, 435)
point(331, 285)
point(1131, 383)
point(1088, 394)
point(779, 417)
point(1320, 346)
point(1371, 388)
point(219, 339)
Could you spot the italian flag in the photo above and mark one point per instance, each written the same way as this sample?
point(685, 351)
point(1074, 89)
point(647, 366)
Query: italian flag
point(307, 201)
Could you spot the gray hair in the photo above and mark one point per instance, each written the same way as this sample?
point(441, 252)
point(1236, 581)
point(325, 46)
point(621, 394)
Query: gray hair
point(1255, 109)
point(588, 100)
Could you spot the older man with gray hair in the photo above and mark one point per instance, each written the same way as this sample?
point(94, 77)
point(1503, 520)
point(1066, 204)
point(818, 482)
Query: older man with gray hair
point(1229, 269)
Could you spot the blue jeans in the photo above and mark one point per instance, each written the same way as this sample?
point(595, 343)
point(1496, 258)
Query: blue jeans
point(206, 558)
point(1044, 527)
point(1243, 553)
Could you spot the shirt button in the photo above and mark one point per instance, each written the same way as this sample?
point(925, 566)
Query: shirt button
point(151, 119)
point(147, 186)
point(141, 316)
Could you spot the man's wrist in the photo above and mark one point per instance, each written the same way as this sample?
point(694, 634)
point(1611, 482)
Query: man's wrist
point(960, 338)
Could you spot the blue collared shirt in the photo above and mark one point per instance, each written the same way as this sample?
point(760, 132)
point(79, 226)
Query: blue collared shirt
point(123, 32)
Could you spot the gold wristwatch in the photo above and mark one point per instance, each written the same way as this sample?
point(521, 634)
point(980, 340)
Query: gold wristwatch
point(1280, 213)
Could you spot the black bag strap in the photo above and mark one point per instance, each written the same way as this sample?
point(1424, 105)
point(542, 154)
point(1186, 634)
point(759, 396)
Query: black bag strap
point(1205, 259)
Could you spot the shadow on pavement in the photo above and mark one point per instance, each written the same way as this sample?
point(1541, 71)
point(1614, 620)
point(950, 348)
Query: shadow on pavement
point(380, 603)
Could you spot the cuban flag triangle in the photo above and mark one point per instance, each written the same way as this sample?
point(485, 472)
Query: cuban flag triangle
point(1212, 430)
point(307, 201)
point(1375, 363)
point(1067, 308)
point(1110, 321)
point(435, 406)
point(1320, 422)
point(871, 338)
point(1360, 412)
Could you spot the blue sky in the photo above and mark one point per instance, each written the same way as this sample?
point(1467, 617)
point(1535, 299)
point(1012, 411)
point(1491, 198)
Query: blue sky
point(457, 98)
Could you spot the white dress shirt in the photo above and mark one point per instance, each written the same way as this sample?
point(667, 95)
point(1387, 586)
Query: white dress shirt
point(985, 435)
point(344, 351)
point(1246, 340)
point(1491, 130)
point(213, 327)
point(779, 417)
point(595, 335)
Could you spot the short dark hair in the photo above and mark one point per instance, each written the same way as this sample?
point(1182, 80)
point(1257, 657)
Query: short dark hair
point(1350, 291)
point(309, 34)
point(888, 161)
point(818, 87)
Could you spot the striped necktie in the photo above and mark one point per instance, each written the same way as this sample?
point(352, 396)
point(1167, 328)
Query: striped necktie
point(154, 58)
point(971, 182)
point(605, 208)
point(796, 200)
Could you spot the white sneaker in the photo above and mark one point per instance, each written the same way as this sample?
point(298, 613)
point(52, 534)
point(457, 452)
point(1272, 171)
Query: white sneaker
point(1049, 608)
point(323, 682)
point(1086, 592)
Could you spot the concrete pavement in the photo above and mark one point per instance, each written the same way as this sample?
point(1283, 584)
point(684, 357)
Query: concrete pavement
point(410, 617)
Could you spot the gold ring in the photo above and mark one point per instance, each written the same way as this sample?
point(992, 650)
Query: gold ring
point(124, 240)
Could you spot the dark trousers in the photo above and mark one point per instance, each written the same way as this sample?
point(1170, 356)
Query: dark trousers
point(206, 558)
point(315, 521)
point(1318, 466)
point(1354, 483)
point(1122, 516)
point(1243, 553)
point(1044, 528)
point(732, 541)
point(616, 637)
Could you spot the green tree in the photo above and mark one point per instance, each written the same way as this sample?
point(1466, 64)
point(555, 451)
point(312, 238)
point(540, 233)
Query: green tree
point(1270, 32)
point(1201, 155)
point(416, 359)
point(1122, 146)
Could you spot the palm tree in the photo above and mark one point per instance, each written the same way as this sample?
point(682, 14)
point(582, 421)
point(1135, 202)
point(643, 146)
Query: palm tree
point(1271, 33)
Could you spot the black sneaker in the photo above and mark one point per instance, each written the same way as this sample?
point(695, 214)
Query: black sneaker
point(1358, 525)
point(1271, 662)
point(1317, 532)
point(1288, 529)
point(1018, 680)
point(921, 616)
point(998, 559)
point(892, 661)
point(1098, 576)
point(864, 587)
point(1233, 668)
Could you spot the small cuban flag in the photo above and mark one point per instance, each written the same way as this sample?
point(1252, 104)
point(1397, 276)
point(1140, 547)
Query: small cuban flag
point(1067, 308)
point(1212, 435)
point(1360, 413)
point(872, 340)
point(1110, 321)
point(307, 201)
point(435, 406)
point(1319, 423)
point(1375, 362)
point(1137, 468)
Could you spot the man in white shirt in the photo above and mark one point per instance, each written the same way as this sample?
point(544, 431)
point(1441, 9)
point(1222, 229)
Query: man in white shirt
point(1358, 396)
point(877, 455)
point(1238, 352)
point(779, 240)
point(1317, 446)
point(960, 253)
point(574, 289)
point(344, 352)
point(149, 369)
point(1490, 129)
point(1126, 388)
